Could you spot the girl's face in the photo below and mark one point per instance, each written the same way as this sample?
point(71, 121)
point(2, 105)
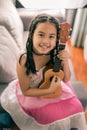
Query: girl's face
point(44, 38)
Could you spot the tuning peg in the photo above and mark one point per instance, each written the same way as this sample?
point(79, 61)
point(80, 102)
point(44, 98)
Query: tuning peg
point(69, 36)
point(70, 29)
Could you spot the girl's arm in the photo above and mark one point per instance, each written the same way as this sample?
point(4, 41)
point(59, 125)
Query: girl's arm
point(64, 56)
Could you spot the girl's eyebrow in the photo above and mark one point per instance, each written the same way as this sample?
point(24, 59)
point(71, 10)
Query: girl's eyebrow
point(50, 33)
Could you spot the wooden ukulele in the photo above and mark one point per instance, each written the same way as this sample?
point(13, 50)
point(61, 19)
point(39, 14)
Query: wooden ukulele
point(51, 71)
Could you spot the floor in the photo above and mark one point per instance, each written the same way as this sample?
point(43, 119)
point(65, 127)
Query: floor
point(79, 64)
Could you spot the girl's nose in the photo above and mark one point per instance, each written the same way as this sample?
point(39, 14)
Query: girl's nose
point(46, 41)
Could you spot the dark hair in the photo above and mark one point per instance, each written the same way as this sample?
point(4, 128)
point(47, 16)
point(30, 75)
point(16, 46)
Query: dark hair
point(42, 18)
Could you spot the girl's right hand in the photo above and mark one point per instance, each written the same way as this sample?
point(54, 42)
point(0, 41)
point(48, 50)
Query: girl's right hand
point(55, 83)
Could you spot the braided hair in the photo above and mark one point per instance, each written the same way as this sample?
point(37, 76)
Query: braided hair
point(42, 18)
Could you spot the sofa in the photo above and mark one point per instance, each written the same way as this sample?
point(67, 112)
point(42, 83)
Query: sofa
point(14, 25)
point(11, 41)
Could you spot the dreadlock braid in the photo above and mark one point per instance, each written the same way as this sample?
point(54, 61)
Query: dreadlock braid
point(30, 65)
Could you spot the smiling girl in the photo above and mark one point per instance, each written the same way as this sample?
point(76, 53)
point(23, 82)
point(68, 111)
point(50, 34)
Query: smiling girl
point(25, 99)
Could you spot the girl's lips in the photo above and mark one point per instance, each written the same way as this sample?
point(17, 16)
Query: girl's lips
point(44, 46)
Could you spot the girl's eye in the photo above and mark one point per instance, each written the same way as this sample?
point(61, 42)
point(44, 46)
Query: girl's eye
point(40, 34)
point(52, 36)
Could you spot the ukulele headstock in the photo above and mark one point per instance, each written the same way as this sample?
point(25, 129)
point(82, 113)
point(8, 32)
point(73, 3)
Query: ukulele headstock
point(64, 32)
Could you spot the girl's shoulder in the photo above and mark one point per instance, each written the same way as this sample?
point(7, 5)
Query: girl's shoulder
point(22, 53)
point(22, 57)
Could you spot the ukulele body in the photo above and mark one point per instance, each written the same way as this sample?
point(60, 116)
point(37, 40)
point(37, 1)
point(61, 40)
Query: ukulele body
point(48, 75)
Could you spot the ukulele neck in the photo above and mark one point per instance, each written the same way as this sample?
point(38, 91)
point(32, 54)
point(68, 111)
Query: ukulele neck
point(62, 46)
point(63, 37)
point(57, 65)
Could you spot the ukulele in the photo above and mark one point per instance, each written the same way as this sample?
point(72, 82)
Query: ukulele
point(55, 69)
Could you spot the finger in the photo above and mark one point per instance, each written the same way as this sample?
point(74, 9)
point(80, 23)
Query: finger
point(55, 78)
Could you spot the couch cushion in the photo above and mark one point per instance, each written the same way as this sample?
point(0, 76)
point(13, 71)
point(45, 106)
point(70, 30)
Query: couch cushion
point(80, 91)
point(10, 19)
point(8, 56)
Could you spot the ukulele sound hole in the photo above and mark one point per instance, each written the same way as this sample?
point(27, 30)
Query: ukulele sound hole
point(51, 78)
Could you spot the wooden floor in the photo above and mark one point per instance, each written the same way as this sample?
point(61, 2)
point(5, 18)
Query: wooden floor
point(79, 64)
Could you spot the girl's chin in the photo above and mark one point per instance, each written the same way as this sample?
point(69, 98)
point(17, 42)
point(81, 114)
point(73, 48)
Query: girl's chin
point(41, 53)
point(44, 52)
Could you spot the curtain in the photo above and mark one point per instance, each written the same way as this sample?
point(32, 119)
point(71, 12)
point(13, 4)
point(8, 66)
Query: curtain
point(79, 28)
point(70, 16)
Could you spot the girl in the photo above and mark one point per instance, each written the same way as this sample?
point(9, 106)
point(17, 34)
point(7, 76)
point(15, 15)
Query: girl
point(26, 101)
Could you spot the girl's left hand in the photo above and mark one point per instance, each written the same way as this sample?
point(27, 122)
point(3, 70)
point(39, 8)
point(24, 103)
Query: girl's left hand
point(64, 56)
